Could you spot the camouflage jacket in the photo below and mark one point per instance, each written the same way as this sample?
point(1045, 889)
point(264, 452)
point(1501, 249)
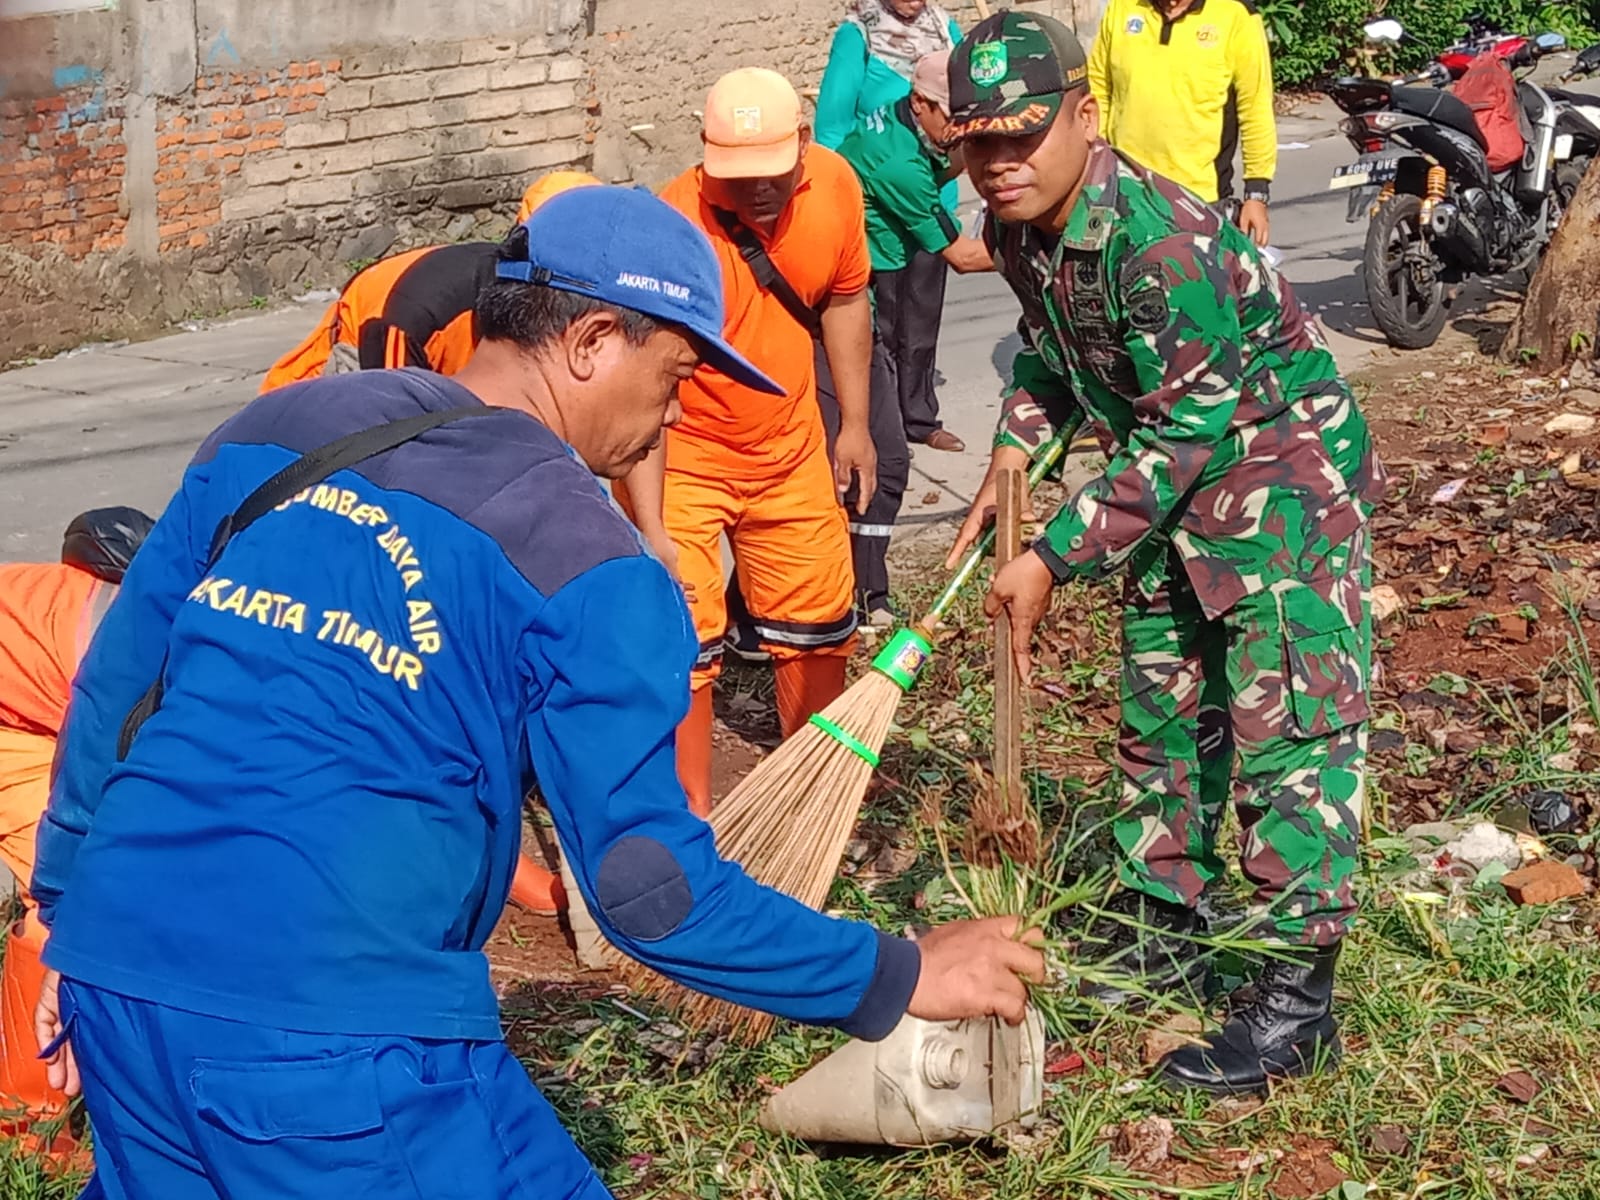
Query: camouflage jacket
point(1230, 436)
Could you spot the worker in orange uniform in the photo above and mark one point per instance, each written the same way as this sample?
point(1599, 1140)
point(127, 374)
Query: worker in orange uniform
point(551, 184)
point(787, 220)
point(411, 310)
point(415, 310)
point(48, 612)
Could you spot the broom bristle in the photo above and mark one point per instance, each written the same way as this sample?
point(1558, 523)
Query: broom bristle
point(786, 824)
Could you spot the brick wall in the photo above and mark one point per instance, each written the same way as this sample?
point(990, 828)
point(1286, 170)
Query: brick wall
point(168, 157)
point(61, 170)
point(653, 63)
point(259, 180)
point(340, 161)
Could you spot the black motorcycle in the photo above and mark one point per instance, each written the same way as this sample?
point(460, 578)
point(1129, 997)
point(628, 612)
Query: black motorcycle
point(1437, 213)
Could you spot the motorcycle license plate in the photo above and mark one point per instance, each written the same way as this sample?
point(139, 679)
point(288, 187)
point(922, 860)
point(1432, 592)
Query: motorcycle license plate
point(1365, 171)
point(1563, 147)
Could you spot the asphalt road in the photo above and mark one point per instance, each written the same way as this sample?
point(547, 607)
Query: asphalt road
point(116, 424)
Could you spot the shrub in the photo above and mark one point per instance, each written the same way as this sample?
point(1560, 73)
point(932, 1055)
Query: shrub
point(1315, 38)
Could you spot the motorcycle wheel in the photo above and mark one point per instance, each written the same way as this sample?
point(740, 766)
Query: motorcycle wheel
point(1402, 275)
point(1568, 176)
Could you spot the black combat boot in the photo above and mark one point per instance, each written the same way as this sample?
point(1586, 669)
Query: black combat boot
point(1287, 1029)
point(1161, 959)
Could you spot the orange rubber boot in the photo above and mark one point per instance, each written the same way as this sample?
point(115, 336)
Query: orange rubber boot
point(694, 752)
point(536, 889)
point(806, 686)
point(26, 1096)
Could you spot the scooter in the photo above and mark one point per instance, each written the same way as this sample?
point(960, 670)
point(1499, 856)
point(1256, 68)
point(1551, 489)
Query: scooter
point(1588, 63)
point(1440, 215)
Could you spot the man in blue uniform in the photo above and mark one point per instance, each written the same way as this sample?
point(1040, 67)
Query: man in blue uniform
point(371, 675)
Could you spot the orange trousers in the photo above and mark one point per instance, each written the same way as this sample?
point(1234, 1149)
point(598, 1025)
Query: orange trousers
point(791, 548)
point(25, 1093)
point(24, 791)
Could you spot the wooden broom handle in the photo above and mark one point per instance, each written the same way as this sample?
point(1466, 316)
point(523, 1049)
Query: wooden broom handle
point(1010, 497)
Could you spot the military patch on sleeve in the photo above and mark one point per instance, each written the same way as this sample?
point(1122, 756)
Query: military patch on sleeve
point(1148, 310)
point(1145, 297)
point(1137, 274)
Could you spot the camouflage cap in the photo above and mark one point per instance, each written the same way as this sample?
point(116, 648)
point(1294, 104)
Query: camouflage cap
point(1010, 73)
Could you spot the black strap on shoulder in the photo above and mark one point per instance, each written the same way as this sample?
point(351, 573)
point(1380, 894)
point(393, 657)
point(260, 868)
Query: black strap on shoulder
point(306, 471)
point(766, 271)
point(312, 468)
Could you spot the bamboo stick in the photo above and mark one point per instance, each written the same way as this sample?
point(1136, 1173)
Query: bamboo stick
point(1007, 681)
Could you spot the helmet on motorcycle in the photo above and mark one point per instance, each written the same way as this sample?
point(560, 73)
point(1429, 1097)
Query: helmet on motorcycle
point(103, 541)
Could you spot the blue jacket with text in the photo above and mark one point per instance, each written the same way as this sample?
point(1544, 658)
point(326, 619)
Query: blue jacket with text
point(317, 829)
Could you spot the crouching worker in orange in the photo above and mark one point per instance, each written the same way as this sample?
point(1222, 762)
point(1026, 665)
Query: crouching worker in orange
point(787, 220)
point(411, 310)
point(48, 612)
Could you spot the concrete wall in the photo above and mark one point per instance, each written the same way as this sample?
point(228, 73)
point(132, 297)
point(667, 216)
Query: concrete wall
point(173, 156)
point(163, 158)
point(653, 62)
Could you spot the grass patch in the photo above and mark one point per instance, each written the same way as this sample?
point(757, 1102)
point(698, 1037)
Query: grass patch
point(26, 1175)
point(1421, 1106)
point(1469, 1024)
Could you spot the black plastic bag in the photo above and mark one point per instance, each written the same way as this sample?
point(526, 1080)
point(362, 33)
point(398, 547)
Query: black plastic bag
point(103, 541)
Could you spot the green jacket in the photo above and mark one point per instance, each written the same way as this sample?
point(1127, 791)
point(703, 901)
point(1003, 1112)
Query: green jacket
point(900, 171)
point(856, 84)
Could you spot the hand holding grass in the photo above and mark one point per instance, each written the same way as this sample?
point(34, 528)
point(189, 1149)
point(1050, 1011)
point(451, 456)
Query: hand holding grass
point(977, 969)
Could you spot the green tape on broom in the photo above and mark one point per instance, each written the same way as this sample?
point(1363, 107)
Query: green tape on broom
point(909, 650)
point(849, 741)
point(903, 657)
point(1048, 456)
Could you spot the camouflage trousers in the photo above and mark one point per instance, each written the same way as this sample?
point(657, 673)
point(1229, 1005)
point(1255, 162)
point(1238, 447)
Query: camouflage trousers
point(1277, 686)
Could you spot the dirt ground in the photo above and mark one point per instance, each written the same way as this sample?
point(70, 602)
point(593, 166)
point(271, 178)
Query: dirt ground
point(1487, 573)
point(1487, 566)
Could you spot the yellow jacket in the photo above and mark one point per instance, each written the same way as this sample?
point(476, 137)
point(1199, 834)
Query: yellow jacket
point(1176, 96)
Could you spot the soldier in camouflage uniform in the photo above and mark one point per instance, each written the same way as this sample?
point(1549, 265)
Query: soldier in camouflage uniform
point(1239, 481)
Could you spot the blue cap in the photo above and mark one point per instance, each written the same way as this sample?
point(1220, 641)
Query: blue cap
point(622, 246)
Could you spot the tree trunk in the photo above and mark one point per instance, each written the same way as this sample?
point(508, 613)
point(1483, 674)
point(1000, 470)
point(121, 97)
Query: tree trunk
point(1559, 319)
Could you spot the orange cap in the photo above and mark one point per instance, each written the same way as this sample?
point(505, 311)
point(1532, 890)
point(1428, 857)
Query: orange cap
point(752, 125)
point(551, 184)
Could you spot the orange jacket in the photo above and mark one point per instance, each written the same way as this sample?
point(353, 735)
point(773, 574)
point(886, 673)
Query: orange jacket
point(820, 246)
point(412, 310)
point(47, 613)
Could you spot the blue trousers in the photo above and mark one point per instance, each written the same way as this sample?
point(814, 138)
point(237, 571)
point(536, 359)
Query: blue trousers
point(186, 1107)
